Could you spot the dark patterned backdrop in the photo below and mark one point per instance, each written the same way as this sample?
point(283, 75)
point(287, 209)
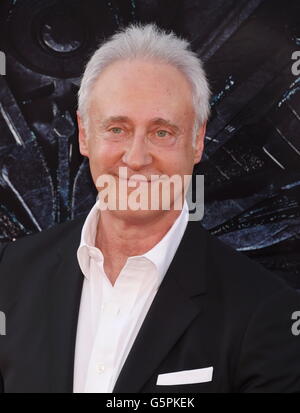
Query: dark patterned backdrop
point(252, 157)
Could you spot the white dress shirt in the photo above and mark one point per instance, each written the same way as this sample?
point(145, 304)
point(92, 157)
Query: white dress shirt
point(110, 316)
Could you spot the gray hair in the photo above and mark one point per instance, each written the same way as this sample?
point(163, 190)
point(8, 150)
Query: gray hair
point(150, 43)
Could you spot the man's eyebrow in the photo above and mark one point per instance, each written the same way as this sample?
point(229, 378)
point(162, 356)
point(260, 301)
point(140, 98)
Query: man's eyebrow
point(154, 121)
point(165, 122)
point(111, 119)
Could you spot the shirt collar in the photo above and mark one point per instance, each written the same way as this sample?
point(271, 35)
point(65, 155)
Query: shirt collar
point(160, 255)
point(163, 252)
point(87, 241)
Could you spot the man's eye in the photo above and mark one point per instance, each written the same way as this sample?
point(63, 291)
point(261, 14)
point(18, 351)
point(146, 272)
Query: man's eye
point(162, 133)
point(116, 130)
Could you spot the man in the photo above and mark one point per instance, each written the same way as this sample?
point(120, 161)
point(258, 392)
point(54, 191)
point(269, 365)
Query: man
point(141, 300)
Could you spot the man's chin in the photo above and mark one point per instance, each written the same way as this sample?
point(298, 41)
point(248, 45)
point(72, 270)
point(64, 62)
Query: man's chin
point(138, 216)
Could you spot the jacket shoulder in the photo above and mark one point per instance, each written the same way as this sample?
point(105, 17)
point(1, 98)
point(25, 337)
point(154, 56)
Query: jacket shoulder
point(38, 253)
point(58, 232)
point(240, 277)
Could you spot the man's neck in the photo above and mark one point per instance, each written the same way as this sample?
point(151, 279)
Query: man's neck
point(120, 238)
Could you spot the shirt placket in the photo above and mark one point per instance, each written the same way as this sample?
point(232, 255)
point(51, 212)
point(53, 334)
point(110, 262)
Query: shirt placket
point(116, 305)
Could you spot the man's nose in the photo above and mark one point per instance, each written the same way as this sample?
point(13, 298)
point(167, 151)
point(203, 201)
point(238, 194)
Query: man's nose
point(137, 154)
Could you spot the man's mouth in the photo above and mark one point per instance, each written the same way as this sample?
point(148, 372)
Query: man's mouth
point(139, 179)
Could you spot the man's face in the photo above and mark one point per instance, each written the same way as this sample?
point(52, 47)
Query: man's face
point(140, 117)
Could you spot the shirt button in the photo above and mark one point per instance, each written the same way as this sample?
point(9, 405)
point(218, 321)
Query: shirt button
point(100, 368)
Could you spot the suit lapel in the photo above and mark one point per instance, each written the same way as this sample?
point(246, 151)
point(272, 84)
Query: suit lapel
point(176, 304)
point(64, 301)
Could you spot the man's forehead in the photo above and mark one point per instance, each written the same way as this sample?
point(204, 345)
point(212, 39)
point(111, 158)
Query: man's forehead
point(143, 73)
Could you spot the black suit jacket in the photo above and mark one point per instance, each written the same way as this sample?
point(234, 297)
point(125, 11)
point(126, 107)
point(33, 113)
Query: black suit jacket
point(214, 308)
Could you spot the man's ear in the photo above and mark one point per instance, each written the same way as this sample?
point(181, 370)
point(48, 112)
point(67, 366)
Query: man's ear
point(82, 136)
point(199, 143)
